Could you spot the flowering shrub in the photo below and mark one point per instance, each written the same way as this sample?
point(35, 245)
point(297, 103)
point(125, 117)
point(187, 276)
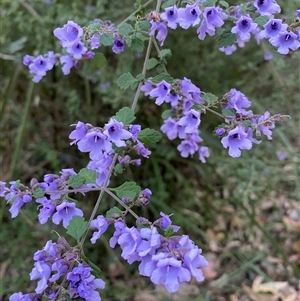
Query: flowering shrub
point(166, 257)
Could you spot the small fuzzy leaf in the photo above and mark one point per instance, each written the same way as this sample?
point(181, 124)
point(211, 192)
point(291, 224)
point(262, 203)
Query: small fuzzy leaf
point(107, 39)
point(114, 212)
point(140, 77)
point(247, 123)
point(163, 76)
point(152, 63)
point(228, 112)
point(149, 136)
point(144, 25)
point(209, 98)
point(227, 38)
point(137, 44)
point(208, 3)
point(89, 175)
point(261, 20)
point(166, 53)
point(119, 169)
point(77, 227)
point(224, 4)
point(125, 80)
point(167, 113)
point(168, 3)
point(169, 231)
point(18, 184)
point(128, 189)
point(38, 193)
point(125, 29)
point(99, 60)
point(125, 115)
point(76, 181)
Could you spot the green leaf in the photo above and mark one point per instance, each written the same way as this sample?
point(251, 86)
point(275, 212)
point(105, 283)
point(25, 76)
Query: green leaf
point(144, 25)
point(168, 3)
point(125, 29)
point(247, 123)
point(209, 98)
point(125, 81)
point(125, 115)
point(160, 68)
point(18, 184)
point(227, 38)
point(149, 136)
point(119, 169)
point(77, 227)
point(169, 231)
point(96, 270)
point(76, 181)
point(163, 76)
point(114, 212)
point(89, 175)
point(107, 39)
point(228, 112)
point(45, 297)
point(137, 44)
point(140, 77)
point(224, 4)
point(128, 189)
point(94, 27)
point(166, 53)
point(209, 3)
point(38, 193)
point(261, 20)
point(152, 63)
point(167, 113)
point(99, 60)
point(134, 85)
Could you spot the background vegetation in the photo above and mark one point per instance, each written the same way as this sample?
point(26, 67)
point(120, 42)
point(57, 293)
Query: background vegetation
point(243, 212)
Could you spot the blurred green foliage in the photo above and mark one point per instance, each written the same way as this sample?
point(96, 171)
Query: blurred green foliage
point(194, 192)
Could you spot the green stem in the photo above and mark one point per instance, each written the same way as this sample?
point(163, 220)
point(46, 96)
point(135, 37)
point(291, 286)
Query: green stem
point(21, 130)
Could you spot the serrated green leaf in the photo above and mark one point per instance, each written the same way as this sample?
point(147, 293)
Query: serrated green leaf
point(149, 136)
point(76, 181)
point(209, 98)
point(208, 3)
point(168, 3)
point(137, 44)
point(38, 193)
point(114, 212)
point(140, 77)
point(160, 68)
point(125, 80)
point(125, 29)
point(167, 113)
point(227, 38)
point(224, 4)
point(99, 60)
point(144, 25)
point(163, 76)
point(107, 39)
point(94, 27)
point(134, 85)
point(128, 189)
point(125, 115)
point(77, 227)
point(152, 63)
point(166, 53)
point(89, 175)
point(261, 20)
point(228, 112)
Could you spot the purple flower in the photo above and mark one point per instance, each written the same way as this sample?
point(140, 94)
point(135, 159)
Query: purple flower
point(150, 241)
point(3, 189)
point(39, 66)
point(20, 297)
point(77, 49)
point(46, 211)
point(27, 60)
point(267, 7)
point(238, 101)
point(212, 18)
point(229, 49)
point(220, 132)
point(244, 26)
point(170, 15)
point(147, 88)
point(101, 224)
point(118, 46)
point(134, 129)
point(65, 212)
point(170, 128)
point(79, 132)
point(161, 91)
point(162, 31)
point(190, 121)
point(18, 200)
point(119, 226)
point(285, 41)
point(189, 16)
point(266, 125)
point(116, 132)
point(95, 41)
point(272, 28)
point(203, 152)
point(67, 63)
point(40, 271)
point(186, 148)
point(68, 34)
point(281, 156)
point(236, 140)
point(297, 13)
point(268, 55)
